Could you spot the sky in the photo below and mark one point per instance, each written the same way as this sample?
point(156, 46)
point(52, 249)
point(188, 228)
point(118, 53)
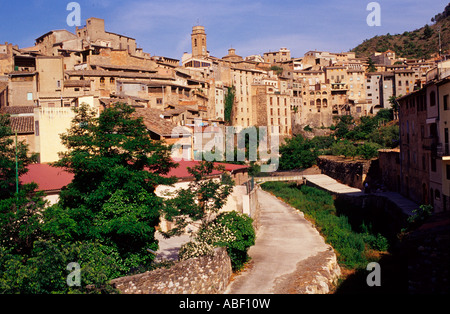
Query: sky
point(163, 27)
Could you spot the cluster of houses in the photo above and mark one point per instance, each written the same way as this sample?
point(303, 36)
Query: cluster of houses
point(40, 85)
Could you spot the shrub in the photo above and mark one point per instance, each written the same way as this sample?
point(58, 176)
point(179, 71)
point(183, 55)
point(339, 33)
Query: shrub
point(241, 226)
point(231, 230)
point(368, 150)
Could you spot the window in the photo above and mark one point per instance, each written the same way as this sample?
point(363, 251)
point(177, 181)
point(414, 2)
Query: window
point(448, 172)
point(29, 96)
point(433, 164)
point(445, 102)
point(437, 194)
point(432, 99)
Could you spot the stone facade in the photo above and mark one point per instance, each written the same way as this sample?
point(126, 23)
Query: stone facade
point(352, 173)
point(201, 275)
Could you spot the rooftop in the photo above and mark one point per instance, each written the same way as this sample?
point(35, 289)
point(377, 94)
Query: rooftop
point(53, 179)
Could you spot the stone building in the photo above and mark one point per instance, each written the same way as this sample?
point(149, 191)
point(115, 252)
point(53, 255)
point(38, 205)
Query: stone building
point(424, 139)
point(95, 35)
point(279, 56)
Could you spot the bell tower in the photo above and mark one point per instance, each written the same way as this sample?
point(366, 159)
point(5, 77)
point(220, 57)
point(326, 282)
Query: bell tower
point(198, 38)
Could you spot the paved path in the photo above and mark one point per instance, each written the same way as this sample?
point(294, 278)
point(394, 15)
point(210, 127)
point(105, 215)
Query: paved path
point(332, 185)
point(284, 239)
point(168, 248)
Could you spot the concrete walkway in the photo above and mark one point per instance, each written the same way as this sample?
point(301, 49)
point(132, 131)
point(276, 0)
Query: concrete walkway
point(332, 185)
point(284, 239)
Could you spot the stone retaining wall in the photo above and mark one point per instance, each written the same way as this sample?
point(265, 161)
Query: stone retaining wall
point(202, 275)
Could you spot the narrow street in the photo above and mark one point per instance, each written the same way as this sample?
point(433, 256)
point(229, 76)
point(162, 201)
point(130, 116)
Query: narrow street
point(284, 239)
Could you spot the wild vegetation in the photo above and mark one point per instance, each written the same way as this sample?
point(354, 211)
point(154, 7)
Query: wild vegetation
point(416, 44)
point(106, 218)
point(349, 138)
point(354, 246)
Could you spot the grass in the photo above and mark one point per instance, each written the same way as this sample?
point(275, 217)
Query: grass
point(354, 250)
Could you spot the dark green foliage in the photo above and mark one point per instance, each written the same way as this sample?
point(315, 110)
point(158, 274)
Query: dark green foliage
point(368, 150)
point(317, 205)
point(20, 220)
point(203, 198)
point(371, 66)
point(44, 270)
point(278, 70)
point(297, 153)
point(111, 199)
point(242, 228)
point(229, 103)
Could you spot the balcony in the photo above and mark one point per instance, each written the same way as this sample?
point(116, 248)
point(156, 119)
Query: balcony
point(429, 143)
point(443, 150)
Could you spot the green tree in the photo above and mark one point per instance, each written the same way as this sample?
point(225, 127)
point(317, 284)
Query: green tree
point(371, 66)
point(427, 32)
point(368, 150)
point(229, 103)
point(201, 200)
point(116, 167)
point(297, 153)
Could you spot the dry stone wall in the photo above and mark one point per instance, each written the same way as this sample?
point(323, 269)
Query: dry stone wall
point(202, 275)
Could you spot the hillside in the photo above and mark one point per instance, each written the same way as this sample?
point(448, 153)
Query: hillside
point(416, 44)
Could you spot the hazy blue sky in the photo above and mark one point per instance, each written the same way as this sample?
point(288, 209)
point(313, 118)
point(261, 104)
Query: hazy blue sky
point(163, 27)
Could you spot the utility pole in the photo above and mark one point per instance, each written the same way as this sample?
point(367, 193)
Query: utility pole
point(17, 171)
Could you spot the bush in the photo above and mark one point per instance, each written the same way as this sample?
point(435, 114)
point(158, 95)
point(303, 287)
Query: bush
point(344, 148)
point(231, 230)
point(368, 150)
point(241, 226)
point(45, 270)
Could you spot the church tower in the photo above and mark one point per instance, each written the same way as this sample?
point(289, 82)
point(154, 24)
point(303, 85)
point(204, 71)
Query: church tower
point(198, 37)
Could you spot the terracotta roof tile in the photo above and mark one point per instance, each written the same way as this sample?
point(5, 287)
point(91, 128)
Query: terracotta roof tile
point(22, 124)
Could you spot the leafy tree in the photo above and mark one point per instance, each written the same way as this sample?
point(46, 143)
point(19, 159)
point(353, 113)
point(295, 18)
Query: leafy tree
point(368, 150)
point(427, 32)
point(116, 167)
point(201, 201)
point(278, 70)
point(297, 153)
point(229, 103)
point(344, 148)
point(371, 66)
point(19, 213)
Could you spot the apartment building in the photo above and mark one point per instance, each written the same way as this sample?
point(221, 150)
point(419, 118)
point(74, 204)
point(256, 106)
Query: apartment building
point(282, 55)
point(424, 158)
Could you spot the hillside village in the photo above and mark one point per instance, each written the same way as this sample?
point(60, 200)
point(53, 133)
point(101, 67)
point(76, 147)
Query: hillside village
point(276, 90)
point(41, 85)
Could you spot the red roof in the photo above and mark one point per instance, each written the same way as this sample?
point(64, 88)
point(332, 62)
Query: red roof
point(51, 178)
point(181, 172)
point(47, 177)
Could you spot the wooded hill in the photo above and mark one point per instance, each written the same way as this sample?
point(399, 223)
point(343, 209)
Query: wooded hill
point(416, 44)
